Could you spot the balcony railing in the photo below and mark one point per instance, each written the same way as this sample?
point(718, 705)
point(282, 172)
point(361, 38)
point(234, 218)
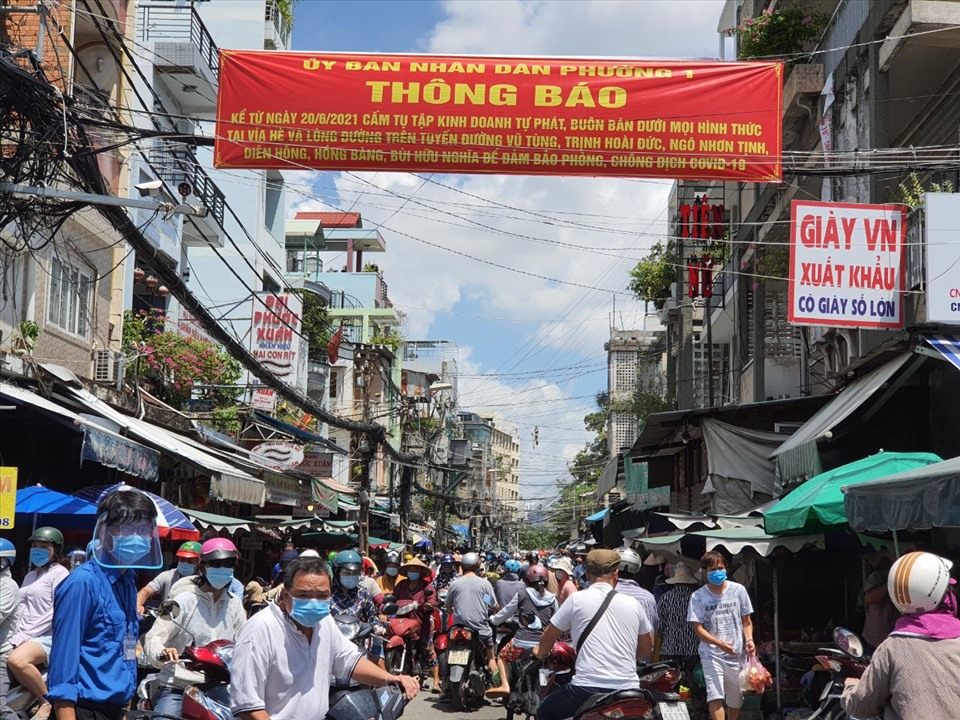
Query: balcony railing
point(162, 22)
point(281, 28)
point(174, 164)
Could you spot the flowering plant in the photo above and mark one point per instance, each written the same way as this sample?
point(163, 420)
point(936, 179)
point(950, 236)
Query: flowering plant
point(781, 33)
point(175, 364)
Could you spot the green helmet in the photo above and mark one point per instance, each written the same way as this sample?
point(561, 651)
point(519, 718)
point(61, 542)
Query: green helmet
point(331, 556)
point(48, 534)
point(190, 549)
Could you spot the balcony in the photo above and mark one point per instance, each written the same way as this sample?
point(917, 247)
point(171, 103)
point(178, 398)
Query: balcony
point(174, 163)
point(185, 56)
point(277, 30)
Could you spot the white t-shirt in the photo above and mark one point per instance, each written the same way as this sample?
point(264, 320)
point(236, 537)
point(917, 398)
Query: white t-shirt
point(277, 670)
point(608, 658)
point(722, 617)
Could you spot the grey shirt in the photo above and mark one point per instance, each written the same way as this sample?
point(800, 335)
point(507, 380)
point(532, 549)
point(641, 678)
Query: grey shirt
point(471, 598)
point(162, 583)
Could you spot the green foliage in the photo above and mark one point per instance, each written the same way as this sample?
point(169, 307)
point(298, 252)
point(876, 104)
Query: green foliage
point(29, 331)
point(392, 340)
point(371, 267)
point(541, 537)
point(910, 191)
point(651, 277)
point(781, 33)
point(173, 364)
point(316, 325)
point(644, 402)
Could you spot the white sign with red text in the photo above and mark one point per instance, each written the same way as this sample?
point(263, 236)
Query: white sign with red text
point(943, 257)
point(847, 264)
point(276, 337)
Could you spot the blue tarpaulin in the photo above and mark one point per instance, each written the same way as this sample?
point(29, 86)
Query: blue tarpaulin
point(461, 530)
point(55, 508)
point(597, 516)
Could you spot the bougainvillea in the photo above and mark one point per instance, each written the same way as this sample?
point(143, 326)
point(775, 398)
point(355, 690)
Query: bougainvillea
point(177, 368)
point(782, 34)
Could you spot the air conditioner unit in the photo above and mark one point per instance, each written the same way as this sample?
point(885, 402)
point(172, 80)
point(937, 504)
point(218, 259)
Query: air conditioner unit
point(108, 366)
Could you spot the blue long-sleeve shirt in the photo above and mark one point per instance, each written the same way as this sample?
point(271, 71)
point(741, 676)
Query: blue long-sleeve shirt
point(94, 611)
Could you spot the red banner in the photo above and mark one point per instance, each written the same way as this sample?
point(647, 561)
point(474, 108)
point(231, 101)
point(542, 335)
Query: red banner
point(521, 116)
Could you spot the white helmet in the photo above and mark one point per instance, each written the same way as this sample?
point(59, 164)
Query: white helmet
point(470, 560)
point(918, 581)
point(310, 553)
point(630, 560)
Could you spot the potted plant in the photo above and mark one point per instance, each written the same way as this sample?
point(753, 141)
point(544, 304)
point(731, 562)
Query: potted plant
point(28, 332)
point(782, 34)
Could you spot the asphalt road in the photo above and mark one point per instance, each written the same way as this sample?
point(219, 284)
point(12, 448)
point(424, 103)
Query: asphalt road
point(429, 707)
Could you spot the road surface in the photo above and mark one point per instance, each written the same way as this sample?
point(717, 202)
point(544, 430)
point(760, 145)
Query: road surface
point(429, 707)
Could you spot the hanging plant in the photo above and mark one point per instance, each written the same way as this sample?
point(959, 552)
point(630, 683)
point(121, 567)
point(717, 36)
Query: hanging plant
point(780, 34)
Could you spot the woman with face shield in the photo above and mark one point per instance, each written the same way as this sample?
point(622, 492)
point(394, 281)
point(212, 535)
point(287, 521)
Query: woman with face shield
point(210, 609)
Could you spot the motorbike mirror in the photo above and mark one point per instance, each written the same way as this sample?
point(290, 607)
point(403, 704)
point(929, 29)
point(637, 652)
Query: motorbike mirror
point(389, 608)
point(168, 610)
point(849, 642)
point(389, 598)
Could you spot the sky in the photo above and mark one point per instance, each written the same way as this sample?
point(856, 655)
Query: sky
point(526, 274)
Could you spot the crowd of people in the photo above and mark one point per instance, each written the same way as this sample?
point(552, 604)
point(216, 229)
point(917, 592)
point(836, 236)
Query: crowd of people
point(79, 615)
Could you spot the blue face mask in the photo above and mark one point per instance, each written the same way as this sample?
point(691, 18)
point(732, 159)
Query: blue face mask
point(185, 568)
point(309, 611)
point(391, 571)
point(219, 577)
point(716, 577)
point(127, 549)
point(39, 557)
point(413, 576)
point(350, 581)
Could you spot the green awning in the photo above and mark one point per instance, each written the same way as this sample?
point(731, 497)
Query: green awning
point(817, 504)
point(217, 522)
point(738, 539)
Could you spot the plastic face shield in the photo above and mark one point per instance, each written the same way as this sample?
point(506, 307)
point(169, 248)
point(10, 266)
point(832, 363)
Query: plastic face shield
point(127, 545)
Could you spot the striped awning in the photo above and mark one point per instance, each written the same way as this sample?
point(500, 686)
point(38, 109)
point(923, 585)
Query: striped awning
point(946, 345)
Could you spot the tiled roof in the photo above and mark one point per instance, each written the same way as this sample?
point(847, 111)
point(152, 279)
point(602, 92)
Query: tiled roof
point(332, 219)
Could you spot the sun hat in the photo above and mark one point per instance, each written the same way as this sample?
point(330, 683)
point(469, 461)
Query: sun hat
point(682, 575)
point(562, 563)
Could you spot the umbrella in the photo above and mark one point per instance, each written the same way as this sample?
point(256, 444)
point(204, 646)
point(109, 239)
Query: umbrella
point(51, 507)
point(171, 523)
point(817, 504)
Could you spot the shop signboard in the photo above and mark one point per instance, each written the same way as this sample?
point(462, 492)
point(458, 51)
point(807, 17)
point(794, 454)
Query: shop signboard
point(614, 117)
point(317, 464)
point(847, 265)
point(278, 454)
point(943, 257)
point(118, 452)
point(8, 497)
point(276, 337)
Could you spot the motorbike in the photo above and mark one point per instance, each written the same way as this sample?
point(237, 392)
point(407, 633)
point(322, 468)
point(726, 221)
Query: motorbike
point(22, 701)
point(848, 660)
point(662, 681)
point(533, 679)
point(634, 704)
point(464, 673)
point(350, 700)
point(403, 631)
point(442, 620)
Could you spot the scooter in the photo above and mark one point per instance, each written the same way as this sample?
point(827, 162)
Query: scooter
point(404, 635)
point(464, 674)
point(533, 679)
point(848, 660)
point(662, 681)
point(22, 701)
point(442, 621)
point(626, 704)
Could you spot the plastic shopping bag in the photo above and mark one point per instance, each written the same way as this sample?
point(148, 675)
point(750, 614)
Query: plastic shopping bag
point(754, 677)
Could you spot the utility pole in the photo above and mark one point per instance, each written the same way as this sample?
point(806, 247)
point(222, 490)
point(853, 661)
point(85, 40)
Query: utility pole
point(366, 451)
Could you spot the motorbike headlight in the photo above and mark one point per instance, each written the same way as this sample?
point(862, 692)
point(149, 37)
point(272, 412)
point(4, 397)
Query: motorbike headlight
point(349, 630)
point(225, 653)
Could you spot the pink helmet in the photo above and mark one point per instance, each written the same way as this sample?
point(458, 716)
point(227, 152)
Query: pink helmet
point(218, 549)
point(536, 574)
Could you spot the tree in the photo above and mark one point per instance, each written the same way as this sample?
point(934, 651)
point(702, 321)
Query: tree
point(650, 278)
point(315, 322)
point(541, 537)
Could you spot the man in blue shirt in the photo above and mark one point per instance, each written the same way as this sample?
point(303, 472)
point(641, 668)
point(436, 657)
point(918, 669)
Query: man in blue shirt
point(93, 661)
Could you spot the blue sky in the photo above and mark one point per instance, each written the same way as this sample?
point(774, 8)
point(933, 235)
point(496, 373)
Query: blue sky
point(531, 348)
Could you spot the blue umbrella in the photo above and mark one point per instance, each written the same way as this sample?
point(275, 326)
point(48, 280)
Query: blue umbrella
point(49, 507)
point(170, 521)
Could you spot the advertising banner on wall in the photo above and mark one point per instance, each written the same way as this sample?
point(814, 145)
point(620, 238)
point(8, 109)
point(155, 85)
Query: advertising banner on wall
point(943, 257)
point(847, 264)
point(522, 116)
point(276, 338)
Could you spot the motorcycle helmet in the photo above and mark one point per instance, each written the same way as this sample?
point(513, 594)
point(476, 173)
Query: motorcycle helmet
point(630, 560)
point(310, 553)
point(331, 556)
point(918, 582)
point(48, 534)
point(470, 561)
point(512, 566)
point(448, 559)
point(217, 549)
point(348, 560)
point(533, 558)
point(392, 558)
point(536, 574)
point(189, 550)
point(8, 553)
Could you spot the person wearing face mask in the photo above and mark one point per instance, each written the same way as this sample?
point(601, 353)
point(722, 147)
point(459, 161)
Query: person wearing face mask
point(209, 610)
point(93, 661)
point(562, 568)
point(446, 572)
point(417, 587)
point(720, 613)
point(32, 638)
point(9, 604)
point(349, 598)
point(391, 573)
point(188, 557)
point(286, 655)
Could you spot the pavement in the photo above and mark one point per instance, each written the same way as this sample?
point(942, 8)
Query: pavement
point(430, 707)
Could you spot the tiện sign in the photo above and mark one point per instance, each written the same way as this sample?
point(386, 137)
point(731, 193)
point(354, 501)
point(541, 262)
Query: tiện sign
point(522, 116)
point(847, 265)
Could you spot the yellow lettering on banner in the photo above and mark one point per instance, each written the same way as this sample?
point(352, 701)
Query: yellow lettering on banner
point(455, 67)
point(521, 69)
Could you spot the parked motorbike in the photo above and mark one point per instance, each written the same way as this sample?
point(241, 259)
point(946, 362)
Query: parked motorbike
point(464, 673)
point(848, 660)
point(662, 681)
point(533, 679)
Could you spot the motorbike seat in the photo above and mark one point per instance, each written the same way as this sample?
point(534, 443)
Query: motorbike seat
point(604, 698)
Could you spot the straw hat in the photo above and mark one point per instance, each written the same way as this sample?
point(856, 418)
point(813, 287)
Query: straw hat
point(654, 559)
point(682, 575)
point(413, 564)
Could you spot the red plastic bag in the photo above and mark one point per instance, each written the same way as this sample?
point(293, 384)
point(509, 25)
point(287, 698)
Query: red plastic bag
point(754, 677)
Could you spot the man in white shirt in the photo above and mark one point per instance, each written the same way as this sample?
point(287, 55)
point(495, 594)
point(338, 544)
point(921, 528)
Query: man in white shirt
point(607, 658)
point(286, 654)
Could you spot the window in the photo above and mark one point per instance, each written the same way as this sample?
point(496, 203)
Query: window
point(333, 384)
point(68, 305)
